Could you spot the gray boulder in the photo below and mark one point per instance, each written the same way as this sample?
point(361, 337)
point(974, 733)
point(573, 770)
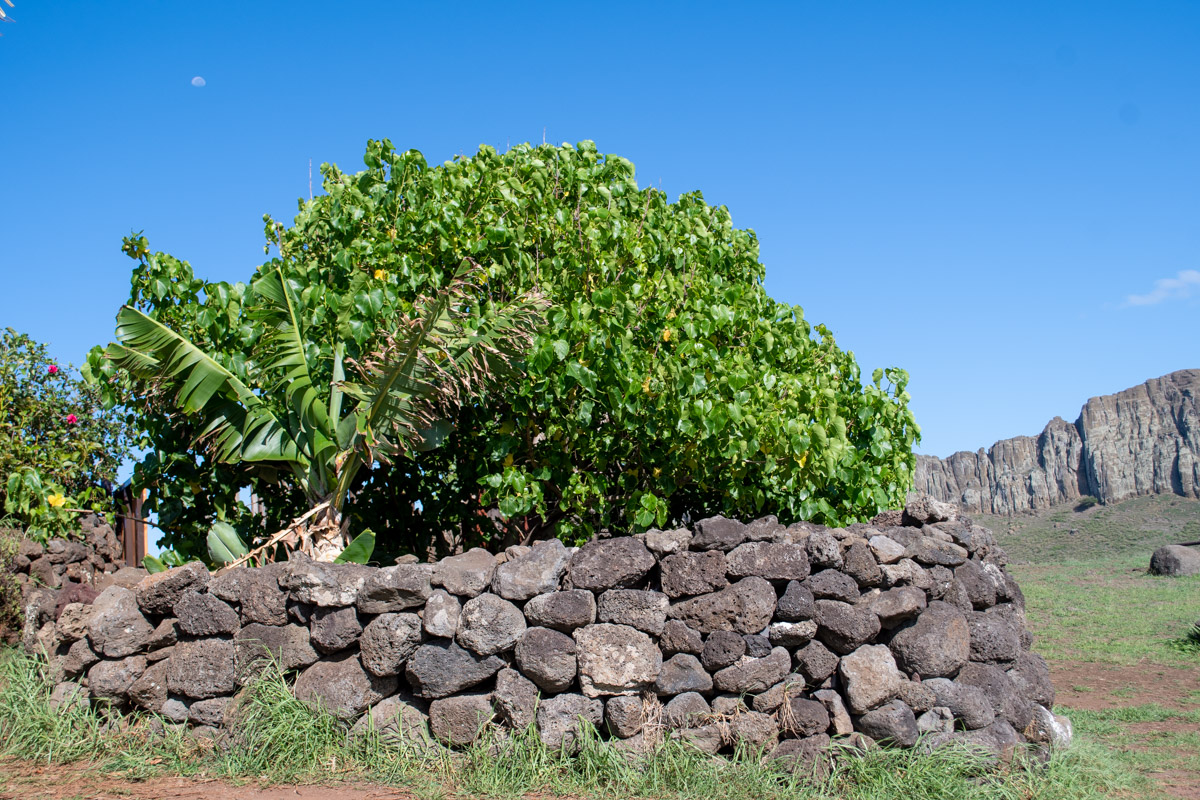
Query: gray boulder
point(465, 575)
point(489, 624)
point(755, 730)
point(208, 712)
point(687, 710)
point(936, 644)
point(801, 717)
point(342, 687)
point(858, 561)
point(797, 603)
point(745, 607)
point(677, 637)
point(537, 572)
point(830, 584)
point(387, 643)
point(288, 645)
point(815, 662)
point(111, 680)
point(1031, 675)
point(769, 560)
point(898, 605)
point(791, 634)
point(754, 675)
point(1175, 560)
point(1006, 701)
point(396, 588)
point(718, 533)
point(688, 573)
point(824, 551)
point(644, 610)
point(615, 659)
point(563, 611)
point(978, 582)
point(515, 699)
point(843, 627)
point(624, 715)
point(966, 703)
point(149, 691)
point(994, 639)
point(558, 719)
point(664, 543)
point(227, 584)
point(440, 669)
point(682, 673)
point(622, 562)
point(721, 649)
point(458, 721)
point(158, 593)
point(263, 599)
point(322, 584)
point(205, 615)
point(202, 668)
point(893, 723)
point(116, 627)
point(547, 657)
point(334, 629)
point(442, 611)
point(840, 723)
point(930, 551)
point(924, 509)
point(869, 677)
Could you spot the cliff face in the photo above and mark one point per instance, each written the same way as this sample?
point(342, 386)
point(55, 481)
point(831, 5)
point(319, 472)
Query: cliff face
point(1144, 440)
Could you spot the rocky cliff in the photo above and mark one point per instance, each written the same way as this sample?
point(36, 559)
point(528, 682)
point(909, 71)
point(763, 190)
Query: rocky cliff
point(1144, 440)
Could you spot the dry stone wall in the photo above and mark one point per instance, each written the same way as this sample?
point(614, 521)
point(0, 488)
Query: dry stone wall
point(721, 635)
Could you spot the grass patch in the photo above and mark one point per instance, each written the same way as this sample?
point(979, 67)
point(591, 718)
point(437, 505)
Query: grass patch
point(1110, 610)
point(277, 739)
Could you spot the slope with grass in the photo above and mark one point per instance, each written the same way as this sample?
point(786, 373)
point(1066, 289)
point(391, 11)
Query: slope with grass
point(1121, 643)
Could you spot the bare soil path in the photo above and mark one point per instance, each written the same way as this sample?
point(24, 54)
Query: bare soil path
point(20, 780)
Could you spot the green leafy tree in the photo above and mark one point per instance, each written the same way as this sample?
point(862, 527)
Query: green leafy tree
point(324, 435)
point(664, 385)
point(58, 446)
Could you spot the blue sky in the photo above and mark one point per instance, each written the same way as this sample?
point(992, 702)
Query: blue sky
point(1001, 198)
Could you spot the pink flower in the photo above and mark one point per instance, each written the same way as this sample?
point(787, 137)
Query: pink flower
point(53, 370)
point(72, 419)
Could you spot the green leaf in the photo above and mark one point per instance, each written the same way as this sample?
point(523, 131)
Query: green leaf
point(153, 565)
point(359, 551)
point(224, 544)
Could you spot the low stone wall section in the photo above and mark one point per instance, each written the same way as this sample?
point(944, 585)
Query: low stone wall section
point(721, 634)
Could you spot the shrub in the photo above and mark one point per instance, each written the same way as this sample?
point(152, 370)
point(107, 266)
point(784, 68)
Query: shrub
point(58, 445)
point(664, 385)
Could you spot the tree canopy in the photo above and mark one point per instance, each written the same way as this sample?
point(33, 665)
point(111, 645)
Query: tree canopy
point(664, 383)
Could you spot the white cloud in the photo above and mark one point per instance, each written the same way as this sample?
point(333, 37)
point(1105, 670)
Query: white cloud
point(1178, 287)
point(198, 81)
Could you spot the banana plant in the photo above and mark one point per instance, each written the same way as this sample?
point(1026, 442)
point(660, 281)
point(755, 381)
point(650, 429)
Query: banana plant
point(390, 404)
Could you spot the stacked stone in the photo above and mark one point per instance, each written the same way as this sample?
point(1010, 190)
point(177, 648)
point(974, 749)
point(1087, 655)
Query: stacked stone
point(59, 562)
point(722, 635)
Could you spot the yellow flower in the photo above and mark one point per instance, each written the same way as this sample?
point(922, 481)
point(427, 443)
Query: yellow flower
point(671, 314)
point(380, 274)
point(657, 471)
point(56, 500)
point(646, 386)
point(667, 335)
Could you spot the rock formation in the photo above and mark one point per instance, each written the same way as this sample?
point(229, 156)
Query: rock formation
point(722, 635)
point(1144, 440)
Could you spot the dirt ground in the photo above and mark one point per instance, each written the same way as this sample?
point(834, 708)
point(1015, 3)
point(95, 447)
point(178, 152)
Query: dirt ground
point(24, 781)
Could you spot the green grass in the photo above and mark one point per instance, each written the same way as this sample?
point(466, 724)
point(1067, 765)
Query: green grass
point(1110, 610)
point(277, 739)
point(1133, 528)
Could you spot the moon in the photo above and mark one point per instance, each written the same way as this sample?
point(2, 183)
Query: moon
point(198, 81)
